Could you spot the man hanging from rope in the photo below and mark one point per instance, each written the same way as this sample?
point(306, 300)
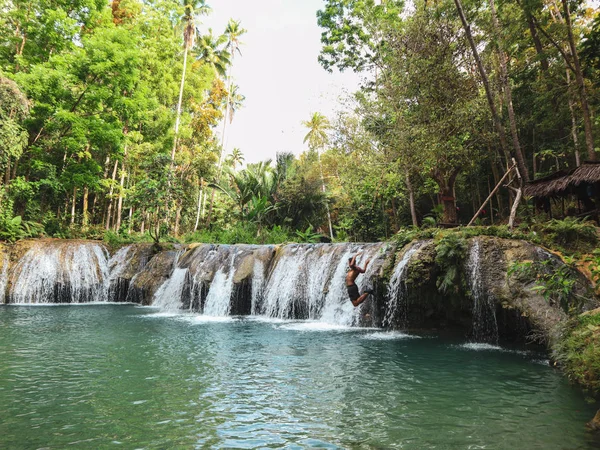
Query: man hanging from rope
point(355, 297)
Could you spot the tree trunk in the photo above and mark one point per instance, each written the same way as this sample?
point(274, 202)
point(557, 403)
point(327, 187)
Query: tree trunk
point(130, 219)
point(587, 120)
point(502, 56)
point(73, 202)
point(199, 205)
point(177, 219)
point(110, 194)
point(120, 202)
point(446, 195)
point(573, 122)
point(178, 117)
point(537, 42)
point(484, 79)
point(106, 169)
point(519, 194)
point(411, 201)
point(85, 207)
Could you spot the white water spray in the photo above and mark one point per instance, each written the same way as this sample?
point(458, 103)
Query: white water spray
point(485, 327)
point(61, 273)
point(397, 301)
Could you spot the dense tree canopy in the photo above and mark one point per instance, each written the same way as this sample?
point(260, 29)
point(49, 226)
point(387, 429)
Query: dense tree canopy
point(109, 117)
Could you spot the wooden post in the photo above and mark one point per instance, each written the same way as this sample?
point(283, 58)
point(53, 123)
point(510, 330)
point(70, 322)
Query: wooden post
point(491, 194)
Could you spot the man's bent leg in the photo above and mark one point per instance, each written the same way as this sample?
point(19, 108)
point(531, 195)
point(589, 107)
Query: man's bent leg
point(360, 299)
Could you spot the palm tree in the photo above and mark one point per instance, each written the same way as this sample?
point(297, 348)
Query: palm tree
point(192, 9)
point(233, 31)
point(211, 52)
point(317, 139)
point(236, 157)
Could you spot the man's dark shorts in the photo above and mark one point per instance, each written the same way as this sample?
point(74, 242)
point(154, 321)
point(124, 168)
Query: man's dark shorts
point(353, 292)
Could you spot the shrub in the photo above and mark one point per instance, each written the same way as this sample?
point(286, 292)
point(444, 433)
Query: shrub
point(570, 234)
point(451, 250)
point(579, 351)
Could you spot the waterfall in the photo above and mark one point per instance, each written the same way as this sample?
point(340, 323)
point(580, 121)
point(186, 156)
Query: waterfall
point(282, 285)
point(4, 277)
point(170, 293)
point(485, 327)
point(258, 286)
point(218, 300)
point(397, 301)
point(338, 309)
point(117, 265)
point(61, 272)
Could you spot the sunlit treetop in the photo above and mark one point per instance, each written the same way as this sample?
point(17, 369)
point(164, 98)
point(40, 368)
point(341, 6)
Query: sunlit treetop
point(352, 32)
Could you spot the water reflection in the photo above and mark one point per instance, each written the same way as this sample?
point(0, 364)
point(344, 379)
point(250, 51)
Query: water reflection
point(96, 376)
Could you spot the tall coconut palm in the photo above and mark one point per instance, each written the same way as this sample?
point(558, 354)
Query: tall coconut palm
point(233, 32)
point(192, 10)
point(236, 157)
point(212, 50)
point(317, 139)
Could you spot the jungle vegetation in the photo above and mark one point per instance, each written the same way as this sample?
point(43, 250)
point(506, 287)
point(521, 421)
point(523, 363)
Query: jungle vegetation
point(112, 116)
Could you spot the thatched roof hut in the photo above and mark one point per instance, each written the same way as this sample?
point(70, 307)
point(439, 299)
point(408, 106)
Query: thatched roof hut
point(564, 183)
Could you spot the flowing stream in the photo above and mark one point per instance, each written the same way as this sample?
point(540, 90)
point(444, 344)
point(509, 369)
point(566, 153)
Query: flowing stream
point(120, 376)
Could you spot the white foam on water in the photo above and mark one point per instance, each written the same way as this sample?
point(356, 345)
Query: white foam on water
point(389, 336)
point(480, 346)
point(543, 362)
point(200, 319)
point(159, 315)
point(315, 326)
point(266, 319)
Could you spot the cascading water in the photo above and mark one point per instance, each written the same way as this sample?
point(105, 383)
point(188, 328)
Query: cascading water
point(397, 295)
point(4, 277)
point(338, 309)
point(61, 273)
point(117, 265)
point(485, 326)
point(169, 294)
point(258, 286)
point(218, 300)
point(282, 285)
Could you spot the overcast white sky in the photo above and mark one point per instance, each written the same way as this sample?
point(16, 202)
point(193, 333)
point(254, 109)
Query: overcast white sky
point(278, 73)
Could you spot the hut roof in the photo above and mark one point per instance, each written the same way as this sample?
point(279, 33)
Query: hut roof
point(559, 182)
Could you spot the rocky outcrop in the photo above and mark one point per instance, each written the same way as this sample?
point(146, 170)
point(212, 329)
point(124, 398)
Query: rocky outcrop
point(157, 271)
point(306, 281)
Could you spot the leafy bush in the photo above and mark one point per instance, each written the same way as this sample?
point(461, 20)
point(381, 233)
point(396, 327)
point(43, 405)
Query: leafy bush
point(579, 351)
point(15, 228)
point(451, 250)
point(570, 234)
point(556, 283)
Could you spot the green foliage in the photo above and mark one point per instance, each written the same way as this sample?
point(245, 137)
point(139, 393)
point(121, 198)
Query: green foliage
point(578, 352)
point(14, 228)
point(555, 282)
point(451, 250)
point(308, 235)
point(570, 234)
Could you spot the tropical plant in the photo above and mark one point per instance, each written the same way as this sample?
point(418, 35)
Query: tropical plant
point(450, 250)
